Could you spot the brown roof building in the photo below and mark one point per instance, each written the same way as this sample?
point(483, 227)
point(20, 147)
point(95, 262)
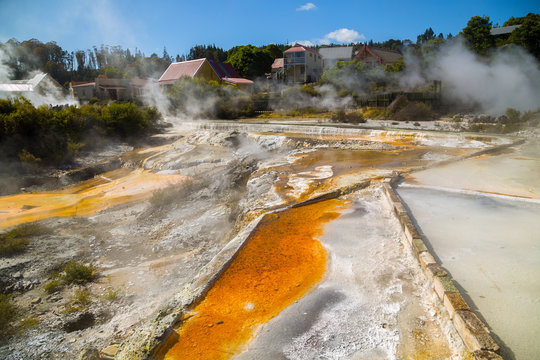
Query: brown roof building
point(375, 57)
point(203, 69)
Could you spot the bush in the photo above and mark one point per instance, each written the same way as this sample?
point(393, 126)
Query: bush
point(80, 299)
point(53, 286)
point(8, 314)
point(353, 117)
point(513, 115)
point(414, 112)
point(52, 135)
point(78, 273)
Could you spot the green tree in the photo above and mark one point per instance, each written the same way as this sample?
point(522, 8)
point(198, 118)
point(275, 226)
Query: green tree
point(429, 34)
point(477, 33)
point(528, 34)
point(275, 51)
point(250, 61)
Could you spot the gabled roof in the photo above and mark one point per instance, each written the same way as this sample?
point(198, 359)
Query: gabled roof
point(298, 48)
point(336, 52)
point(278, 63)
point(224, 70)
point(190, 68)
point(28, 84)
point(504, 30)
point(177, 70)
point(382, 56)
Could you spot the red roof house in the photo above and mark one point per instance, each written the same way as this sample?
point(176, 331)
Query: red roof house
point(374, 56)
point(204, 69)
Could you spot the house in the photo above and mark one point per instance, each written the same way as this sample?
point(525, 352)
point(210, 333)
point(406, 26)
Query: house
point(82, 90)
point(40, 84)
point(203, 69)
point(331, 55)
point(277, 72)
point(105, 88)
point(375, 57)
point(302, 65)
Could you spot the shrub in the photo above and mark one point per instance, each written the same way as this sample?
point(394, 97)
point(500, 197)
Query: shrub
point(78, 273)
point(8, 314)
point(16, 241)
point(51, 135)
point(414, 112)
point(53, 286)
point(79, 301)
point(353, 117)
point(513, 115)
point(111, 294)
point(11, 246)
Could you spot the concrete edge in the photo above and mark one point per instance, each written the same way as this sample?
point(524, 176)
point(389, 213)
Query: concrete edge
point(490, 150)
point(471, 329)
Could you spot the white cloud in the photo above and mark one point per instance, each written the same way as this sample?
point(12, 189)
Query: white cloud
point(344, 36)
point(307, 7)
point(307, 43)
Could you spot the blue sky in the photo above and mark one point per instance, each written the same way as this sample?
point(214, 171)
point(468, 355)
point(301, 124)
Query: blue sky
point(149, 25)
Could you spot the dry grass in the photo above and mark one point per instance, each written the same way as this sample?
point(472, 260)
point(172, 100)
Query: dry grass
point(17, 240)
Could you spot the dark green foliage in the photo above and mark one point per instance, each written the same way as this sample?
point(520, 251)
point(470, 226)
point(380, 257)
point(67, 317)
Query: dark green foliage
point(477, 33)
point(429, 34)
point(9, 312)
point(52, 135)
point(78, 273)
point(211, 52)
point(275, 51)
point(528, 34)
point(249, 61)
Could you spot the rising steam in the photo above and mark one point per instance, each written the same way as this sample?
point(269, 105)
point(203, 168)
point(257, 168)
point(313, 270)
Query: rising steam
point(509, 79)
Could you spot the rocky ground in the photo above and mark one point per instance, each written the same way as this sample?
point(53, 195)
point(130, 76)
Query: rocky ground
point(145, 251)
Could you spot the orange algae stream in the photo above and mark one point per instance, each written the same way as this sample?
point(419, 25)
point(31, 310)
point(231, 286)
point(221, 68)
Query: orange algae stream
point(84, 198)
point(280, 263)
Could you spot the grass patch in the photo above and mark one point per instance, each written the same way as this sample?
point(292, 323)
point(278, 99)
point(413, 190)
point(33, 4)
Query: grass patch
point(17, 240)
point(111, 294)
point(79, 301)
point(53, 286)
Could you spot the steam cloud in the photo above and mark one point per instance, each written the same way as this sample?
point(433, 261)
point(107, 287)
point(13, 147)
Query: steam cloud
point(510, 80)
point(49, 95)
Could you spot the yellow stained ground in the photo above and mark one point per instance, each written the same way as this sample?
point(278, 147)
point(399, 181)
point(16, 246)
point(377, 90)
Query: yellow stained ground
point(85, 198)
point(280, 263)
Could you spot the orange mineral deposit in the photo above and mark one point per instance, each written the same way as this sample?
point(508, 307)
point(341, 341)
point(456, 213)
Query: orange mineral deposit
point(85, 198)
point(280, 263)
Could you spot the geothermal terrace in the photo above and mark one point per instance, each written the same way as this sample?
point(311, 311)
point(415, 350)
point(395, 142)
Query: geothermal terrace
point(280, 241)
